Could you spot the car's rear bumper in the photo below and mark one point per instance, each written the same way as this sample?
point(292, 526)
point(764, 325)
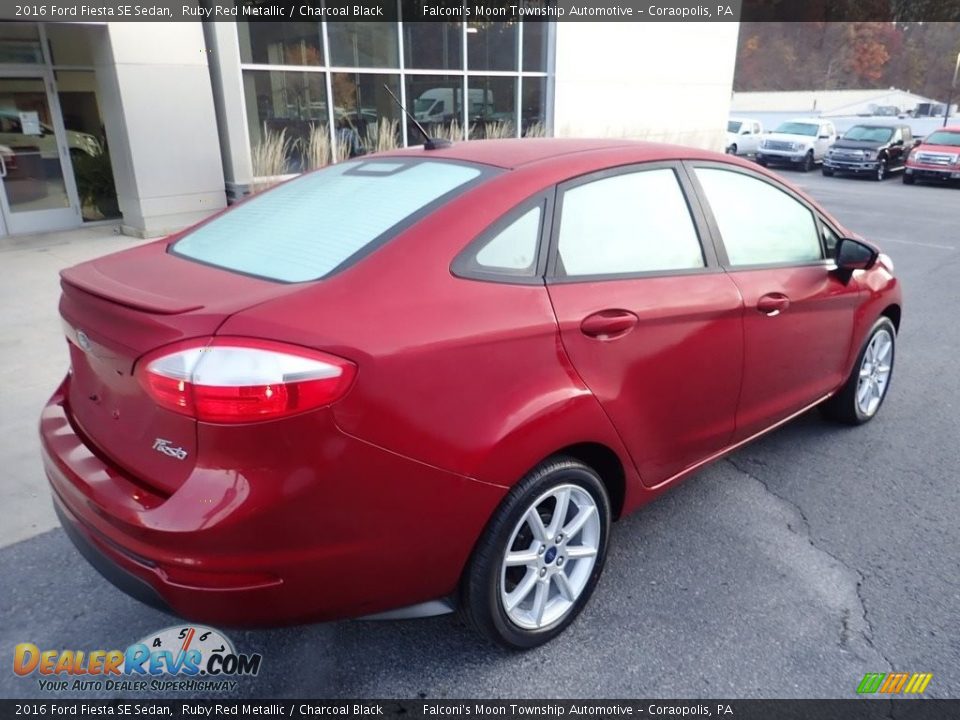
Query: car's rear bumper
point(933, 173)
point(258, 546)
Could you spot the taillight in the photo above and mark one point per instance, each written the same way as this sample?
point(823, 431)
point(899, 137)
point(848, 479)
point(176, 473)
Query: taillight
point(237, 380)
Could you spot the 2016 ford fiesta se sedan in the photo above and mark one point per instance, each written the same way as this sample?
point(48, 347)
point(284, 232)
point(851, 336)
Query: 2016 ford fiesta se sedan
point(434, 378)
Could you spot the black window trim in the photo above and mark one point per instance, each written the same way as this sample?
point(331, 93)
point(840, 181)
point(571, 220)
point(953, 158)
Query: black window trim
point(465, 263)
point(710, 260)
point(721, 250)
point(831, 262)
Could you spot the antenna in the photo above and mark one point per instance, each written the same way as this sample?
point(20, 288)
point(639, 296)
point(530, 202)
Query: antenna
point(429, 142)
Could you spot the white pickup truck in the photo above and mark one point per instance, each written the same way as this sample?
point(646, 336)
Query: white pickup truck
point(743, 136)
point(802, 143)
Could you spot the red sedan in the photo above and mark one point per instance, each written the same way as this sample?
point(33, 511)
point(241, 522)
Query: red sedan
point(433, 378)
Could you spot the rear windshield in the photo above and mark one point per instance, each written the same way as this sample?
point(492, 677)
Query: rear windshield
point(311, 226)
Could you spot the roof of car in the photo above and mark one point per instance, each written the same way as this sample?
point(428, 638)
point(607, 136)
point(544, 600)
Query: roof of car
point(514, 153)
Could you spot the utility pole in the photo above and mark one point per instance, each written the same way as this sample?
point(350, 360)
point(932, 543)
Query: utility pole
point(953, 86)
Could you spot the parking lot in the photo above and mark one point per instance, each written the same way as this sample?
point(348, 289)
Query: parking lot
point(790, 569)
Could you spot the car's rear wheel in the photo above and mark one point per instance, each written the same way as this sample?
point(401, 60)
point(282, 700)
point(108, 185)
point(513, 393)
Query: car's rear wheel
point(540, 557)
point(860, 398)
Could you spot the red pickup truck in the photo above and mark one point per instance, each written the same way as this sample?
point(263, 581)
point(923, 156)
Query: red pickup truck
point(936, 158)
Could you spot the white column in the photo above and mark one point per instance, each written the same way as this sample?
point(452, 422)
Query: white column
point(661, 81)
point(157, 105)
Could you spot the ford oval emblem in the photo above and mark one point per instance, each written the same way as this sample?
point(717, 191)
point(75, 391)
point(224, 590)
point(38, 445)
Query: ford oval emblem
point(83, 341)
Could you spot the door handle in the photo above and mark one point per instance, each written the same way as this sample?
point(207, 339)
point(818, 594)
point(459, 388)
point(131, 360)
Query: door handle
point(772, 304)
point(608, 324)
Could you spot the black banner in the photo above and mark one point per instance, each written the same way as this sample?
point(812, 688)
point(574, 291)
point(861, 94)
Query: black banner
point(481, 10)
point(859, 709)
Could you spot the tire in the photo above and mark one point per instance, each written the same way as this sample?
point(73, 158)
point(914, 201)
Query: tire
point(732, 150)
point(807, 165)
point(851, 405)
point(542, 610)
point(827, 172)
point(762, 162)
point(881, 174)
point(908, 179)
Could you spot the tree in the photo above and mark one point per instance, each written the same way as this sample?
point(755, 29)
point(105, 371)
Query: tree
point(914, 56)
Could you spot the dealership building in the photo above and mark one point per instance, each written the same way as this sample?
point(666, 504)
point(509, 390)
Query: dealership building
point(156, 125)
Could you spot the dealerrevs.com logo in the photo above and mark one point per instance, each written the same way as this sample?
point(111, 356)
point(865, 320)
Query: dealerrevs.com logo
point(178, 658)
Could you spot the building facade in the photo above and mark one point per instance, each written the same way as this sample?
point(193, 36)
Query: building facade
point(159, 124)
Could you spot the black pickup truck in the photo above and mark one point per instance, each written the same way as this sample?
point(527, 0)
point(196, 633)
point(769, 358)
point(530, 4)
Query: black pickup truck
point(873, 149)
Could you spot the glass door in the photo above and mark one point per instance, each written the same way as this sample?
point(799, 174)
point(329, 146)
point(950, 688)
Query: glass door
point(36, 195)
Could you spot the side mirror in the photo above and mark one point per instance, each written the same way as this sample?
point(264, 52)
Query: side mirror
point(854, 255)
point(917, 142)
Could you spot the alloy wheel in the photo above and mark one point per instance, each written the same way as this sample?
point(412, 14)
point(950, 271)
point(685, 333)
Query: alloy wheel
point(875, 371)
point(550, 557)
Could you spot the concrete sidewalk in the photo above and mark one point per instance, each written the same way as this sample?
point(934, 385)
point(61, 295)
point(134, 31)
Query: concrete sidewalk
point(33, 359)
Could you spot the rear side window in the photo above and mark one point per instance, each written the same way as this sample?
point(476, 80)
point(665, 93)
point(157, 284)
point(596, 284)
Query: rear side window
point(636, 222)
point(309, 227)
point(759, 224)
point(514, 249)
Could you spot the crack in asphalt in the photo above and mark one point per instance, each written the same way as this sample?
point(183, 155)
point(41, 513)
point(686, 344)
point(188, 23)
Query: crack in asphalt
point(846, 631)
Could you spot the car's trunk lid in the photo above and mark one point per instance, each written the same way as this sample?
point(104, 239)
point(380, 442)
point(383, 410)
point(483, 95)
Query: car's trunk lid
point(115, 310)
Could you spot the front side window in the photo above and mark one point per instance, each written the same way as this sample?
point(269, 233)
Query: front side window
point(830, 240)
point(759, 223)
point(307, 228)
point(631, 223)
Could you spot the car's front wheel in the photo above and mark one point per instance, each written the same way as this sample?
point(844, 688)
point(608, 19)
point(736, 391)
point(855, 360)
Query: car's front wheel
point(807, 164)
point(881, 171)
point(863, 393)
point(908, 179)
point(540, 557)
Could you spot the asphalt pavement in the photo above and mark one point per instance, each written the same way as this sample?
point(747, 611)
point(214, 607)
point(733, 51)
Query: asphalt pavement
point(790, 569)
